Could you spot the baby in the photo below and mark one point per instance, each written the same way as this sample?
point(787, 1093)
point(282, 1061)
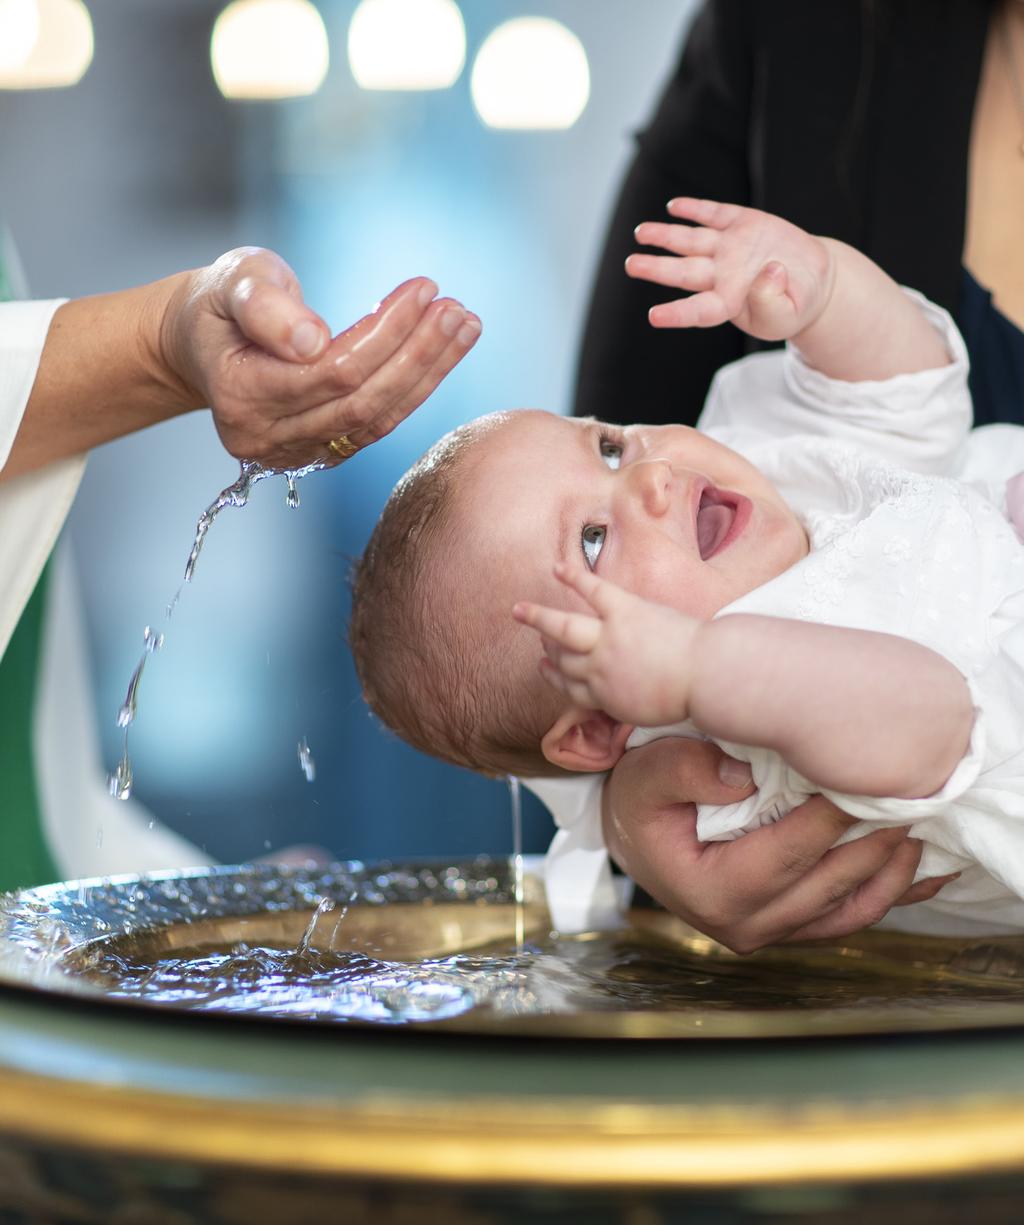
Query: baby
point(822, 578)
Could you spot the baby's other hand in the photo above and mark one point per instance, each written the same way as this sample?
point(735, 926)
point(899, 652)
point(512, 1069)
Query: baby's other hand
point(629, 657)
point(768, 277)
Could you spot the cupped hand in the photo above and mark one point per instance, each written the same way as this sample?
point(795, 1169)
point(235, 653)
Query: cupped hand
point(769, 277)
point(239, 338)
point(784, 882)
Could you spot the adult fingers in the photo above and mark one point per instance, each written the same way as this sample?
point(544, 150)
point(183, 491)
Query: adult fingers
point(853, 886)
point(258, 291)
point(867, 905)
point(681, 770)
point(365, 404)
point(922, 890)
point(762, 866)
point(783, 852)
point(380, 392)
point(356, 354)
point(411, 397)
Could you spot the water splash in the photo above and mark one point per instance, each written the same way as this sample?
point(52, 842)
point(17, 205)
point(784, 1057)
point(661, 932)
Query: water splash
point(306, 760)
point(323, 907)
point(121, 781)
point(237, 494)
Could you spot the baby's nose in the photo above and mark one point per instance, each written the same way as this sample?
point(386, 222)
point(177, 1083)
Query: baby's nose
point(652, 481)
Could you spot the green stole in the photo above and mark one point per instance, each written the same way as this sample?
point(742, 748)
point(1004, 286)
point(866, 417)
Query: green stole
point(25, 858)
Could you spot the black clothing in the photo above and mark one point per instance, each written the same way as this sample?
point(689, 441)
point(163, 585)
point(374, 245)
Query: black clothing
point(996, 346)
point(850, 118)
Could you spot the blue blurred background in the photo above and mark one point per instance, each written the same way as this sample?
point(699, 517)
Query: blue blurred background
point(143, 169)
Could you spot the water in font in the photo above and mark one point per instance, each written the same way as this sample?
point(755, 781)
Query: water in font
point(632, 970)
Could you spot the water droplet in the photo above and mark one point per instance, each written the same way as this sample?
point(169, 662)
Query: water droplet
point(323, 906)
point(120, 782)
point(306, 760)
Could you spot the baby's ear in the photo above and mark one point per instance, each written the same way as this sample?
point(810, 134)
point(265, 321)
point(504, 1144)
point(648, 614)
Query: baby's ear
point(585, 740)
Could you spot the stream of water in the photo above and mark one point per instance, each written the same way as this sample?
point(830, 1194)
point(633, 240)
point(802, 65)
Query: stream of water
point(121, 780)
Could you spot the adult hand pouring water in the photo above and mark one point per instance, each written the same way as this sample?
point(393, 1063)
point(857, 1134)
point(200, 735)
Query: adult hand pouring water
point(234, 336)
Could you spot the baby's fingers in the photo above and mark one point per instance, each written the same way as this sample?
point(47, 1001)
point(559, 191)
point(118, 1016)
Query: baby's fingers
point(704, 212)
point(602, 596)
point(679, 239)
point(578, 691)
point(574, 631)
point(703, 310)
point(693, 272)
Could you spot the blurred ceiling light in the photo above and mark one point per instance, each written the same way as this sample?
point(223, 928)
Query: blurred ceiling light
point(269, 49)
point(19, 29)
point(60, 43)
point(531, 72)
point(407, 44)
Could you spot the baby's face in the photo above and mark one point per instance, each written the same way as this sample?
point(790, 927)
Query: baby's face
point(663, 511)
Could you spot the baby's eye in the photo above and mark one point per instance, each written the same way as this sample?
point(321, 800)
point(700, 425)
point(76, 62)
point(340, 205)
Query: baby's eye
point(611, 451)
point(593, 542)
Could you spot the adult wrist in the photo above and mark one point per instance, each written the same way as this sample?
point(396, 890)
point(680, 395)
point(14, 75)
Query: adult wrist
point(166, 339)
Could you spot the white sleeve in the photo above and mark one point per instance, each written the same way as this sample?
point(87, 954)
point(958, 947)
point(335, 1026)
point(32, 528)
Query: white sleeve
point(33, 507)
point(581, 892)
point(916, 421)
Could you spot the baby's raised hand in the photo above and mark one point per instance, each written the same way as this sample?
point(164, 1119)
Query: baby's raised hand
point(763, 274)
point(629, 657)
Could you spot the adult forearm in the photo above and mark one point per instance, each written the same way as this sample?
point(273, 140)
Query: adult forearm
point(870, 329)
point(101, 375)
point(851, 710)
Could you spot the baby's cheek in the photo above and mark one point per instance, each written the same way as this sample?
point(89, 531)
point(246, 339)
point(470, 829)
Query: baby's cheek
point(694, 590)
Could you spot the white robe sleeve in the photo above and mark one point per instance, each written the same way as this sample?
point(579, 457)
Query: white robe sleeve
point(916, 421)
point(33, 507)
point(582, 894)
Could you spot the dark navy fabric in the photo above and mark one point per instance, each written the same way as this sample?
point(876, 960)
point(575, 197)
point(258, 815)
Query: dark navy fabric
point(996, 348)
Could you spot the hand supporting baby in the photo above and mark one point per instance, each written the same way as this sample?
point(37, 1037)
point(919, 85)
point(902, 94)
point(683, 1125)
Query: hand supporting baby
point(785, 882)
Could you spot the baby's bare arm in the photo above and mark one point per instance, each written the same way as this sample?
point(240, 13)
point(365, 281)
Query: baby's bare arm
point(869, 328)
point(851, 710)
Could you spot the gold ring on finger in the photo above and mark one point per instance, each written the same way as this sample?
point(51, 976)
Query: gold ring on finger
point(342, 447)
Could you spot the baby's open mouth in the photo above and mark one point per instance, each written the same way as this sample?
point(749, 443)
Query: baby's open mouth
point(716, 515)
